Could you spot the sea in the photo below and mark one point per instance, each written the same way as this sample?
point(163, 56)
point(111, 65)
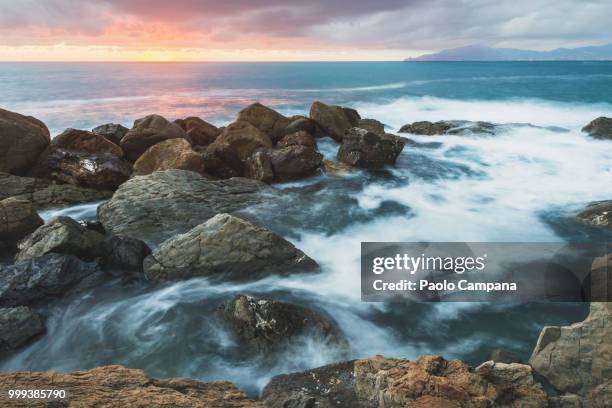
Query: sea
point(524, 184)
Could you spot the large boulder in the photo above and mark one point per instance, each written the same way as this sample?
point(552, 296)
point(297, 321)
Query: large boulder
point(18, 325)
point(169, 154)
point(600, 128)
point(200, 132)
point(124, 253)
point(111, 131)
point(18, 218)
point(515, 384)
point(76, 140)
point(598, 214)
point(259, 167)
point(362, 148)
point(334, 120)
point(372, 125)
point(299, 138)
point(294, 162)
point(22, 140)
point(49, 276)
point(263, 325)
point(117, 386)
point(265, 119)
point(148, 131)
point(155, 206)
point(225, 247)
point(300, 123)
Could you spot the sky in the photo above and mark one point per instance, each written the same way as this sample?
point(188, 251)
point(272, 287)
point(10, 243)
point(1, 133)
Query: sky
point(289, 30)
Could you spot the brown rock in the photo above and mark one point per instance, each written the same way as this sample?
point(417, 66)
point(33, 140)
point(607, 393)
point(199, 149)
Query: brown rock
point(200, 132)
point(295, 162)
point(336, 168)
point(22, 140)
point(362, 148)
point(18, 218)
point(372, 125)
point(334, 120)
point(259, 167)
point(169, 154)
point(299, 138)
point(267, 120)
point(600, 128)
point(83, 141)
point(148, 131)
point(301, 123)
point(515, 385)
point(117, 386)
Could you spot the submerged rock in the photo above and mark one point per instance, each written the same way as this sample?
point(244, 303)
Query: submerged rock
point(200, 132)
point(334, 120)
point(598, 214)
point(449, 127)
point(148, 131)
point(18, 325)
point(117, 386)
point(22, 140)
point(225, 246)
point(294, 162)
point(600, 128)
point(361, 148)
point(267, 120)
point(264, 324)
point(111, 131)
point(76, 140)
point(169, 154)
point(18, 218)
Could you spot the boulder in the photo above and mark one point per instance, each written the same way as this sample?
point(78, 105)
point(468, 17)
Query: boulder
point(372, 125)
point(200, 132)
point(334, 120)
point(148, 131)
point(18, 325)
point(18, 218)
point(503, 356)
point(299, 138)
point(53, 275)
point(294, 162)
point(263, 325)
point(117, 386)
point(154, 206)
point(426, 128)
point(104, 171)
point(111, 131)
point(169, 154)
point(361, 148)
point(300, 123)
point(600, 128)
point(449, 127)
point(259, 167)
point(75, 140)
point(335, 168)
point(267, 120)
point(22, 140)
point(225, 246)
point(515, 385)
point(598, 214)
point(124, 253)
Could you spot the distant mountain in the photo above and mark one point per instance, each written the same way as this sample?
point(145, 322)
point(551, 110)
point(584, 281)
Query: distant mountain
point(483, 53)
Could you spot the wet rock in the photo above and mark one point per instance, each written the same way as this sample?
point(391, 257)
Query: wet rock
point(299, 138)
point(335, 168)
point(225, 246)
point(361, 148)
point(372, 125)
point(111, 131)
point(259, 167)
point(104, 171)
point(75, 140)
point(600, 128)
point(49, 276)
point(124, 253)
point(265, 119)
point(426, 128)
point(22, 140)
point(449, 127)
point(153, 207)
point(264, 325)
point(117, 386)
point(503, 356)
point(18, 325)
point(169, 154)
point(147, 132)
point(200, 132)
point(294, 162)
point(301, 124)
point(515, 385)
point(18, 218)
point(334, 120)
point(597, 213)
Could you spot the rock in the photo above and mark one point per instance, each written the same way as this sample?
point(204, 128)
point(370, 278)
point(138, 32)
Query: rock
point(428, 382)
point(75, 140)
point(125, 253)
point(600, 128)
point(117, 386)
point(48, 276)
point(103, 171)
point(200, 132)
point(225, 246)
point(336, 168)
point(361, 148)
point(299, 138)
point(267, 120)
point(18, 218)
point(264, 325)
point(18, 325)
point(503, 356)
point(301, 124)
point(111, 131)
point(22, 140)
point(259, 167)
point(334, 120)
point(222, 162)
point(597, 213)
point(372, 125)
point(449, 127)
point(426, 128)
point(169, 154)
point(154, 206)
point(294, 162)
point(148, 131)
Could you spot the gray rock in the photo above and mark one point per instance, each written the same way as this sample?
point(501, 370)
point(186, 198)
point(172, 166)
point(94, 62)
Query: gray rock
point(515, 384)
point(49, 276)
point(111, 131)
point(361, 148)
point(22, 140)
point(18, 218)
point(125, 253)
point(156, 206)
point(600, 128)
point(334, 120)
point(18, 325)
point(225, 246)
point(598, 214)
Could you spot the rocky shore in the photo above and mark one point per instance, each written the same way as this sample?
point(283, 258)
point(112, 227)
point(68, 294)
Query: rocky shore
point(177, 195)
